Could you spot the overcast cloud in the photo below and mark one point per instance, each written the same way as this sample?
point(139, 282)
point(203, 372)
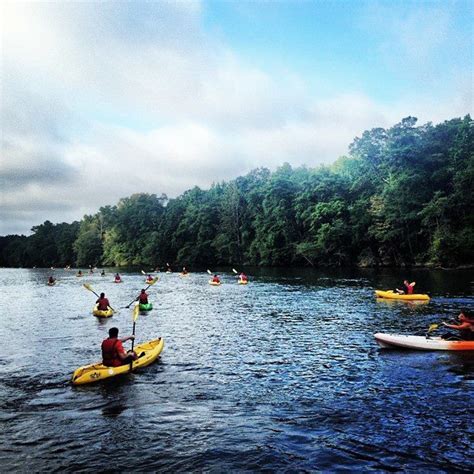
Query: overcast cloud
point(103, 100)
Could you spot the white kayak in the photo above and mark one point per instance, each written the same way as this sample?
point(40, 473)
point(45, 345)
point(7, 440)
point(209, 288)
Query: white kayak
point(398, 341)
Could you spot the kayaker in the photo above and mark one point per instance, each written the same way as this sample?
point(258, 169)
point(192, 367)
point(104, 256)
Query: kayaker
point(118, 277)
point(143, 297)
point(184, 272)
point(149, 279)
point(79, 273)
point(102, 273)
point(465, 328)
point(113, 353)
point(243, 277)
point(103, 303)
point(51, 280)
point(215, 279)
point(408, 288)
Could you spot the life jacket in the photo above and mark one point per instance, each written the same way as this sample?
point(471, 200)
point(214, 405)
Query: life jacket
point(103, 304)
point(143, 298)
point(110, 357)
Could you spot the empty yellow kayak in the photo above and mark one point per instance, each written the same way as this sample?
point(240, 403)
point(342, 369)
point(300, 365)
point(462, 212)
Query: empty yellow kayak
point(147, 352)
point(391, 295)
point(102, 313)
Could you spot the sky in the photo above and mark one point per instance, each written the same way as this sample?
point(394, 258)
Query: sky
point(101, 100)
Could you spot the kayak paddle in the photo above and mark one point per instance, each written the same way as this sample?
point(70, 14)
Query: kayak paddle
point(88, 287)
point(136, 312)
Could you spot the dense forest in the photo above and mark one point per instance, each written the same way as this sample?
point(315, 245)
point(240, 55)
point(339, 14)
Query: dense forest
point(403, 196)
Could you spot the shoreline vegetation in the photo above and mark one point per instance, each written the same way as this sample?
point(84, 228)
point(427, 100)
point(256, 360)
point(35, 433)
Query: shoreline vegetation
point(403, 197)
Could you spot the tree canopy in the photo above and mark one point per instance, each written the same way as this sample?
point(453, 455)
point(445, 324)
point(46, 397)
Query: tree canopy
point(403, 196)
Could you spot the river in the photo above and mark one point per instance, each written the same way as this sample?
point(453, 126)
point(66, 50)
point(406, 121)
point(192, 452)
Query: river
point(280, 375)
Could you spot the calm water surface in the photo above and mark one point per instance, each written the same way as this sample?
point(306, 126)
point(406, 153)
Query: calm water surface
point(281, 375)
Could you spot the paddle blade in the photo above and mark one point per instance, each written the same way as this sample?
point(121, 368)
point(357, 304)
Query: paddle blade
point(235, 271)
point(433, 327)
point(143, 273)
point(88, 287)
point(136, 312)
point(209, 271)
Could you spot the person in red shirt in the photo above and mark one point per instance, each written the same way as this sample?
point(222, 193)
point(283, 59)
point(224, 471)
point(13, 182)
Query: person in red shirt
point(465, 326)
point(215, 279)
point(103, 303)
point(243, 277)
point(408, 286)
point(113, 353)
point(143, 297)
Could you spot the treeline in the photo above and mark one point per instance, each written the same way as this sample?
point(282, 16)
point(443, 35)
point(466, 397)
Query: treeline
point(403, 196)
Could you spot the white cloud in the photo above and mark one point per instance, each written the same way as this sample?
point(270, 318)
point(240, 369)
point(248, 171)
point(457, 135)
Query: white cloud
point(79, 76)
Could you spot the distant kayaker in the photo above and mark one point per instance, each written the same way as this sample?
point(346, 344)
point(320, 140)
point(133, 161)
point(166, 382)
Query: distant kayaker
point(51, 280)
point(465, 328)
point(79, 273)
point(118, 277)
point(184, 272)
point(408, 288)
point(103, 303)
point(143, 297)
point(102, 273)
point(243, 277)
point(113, 353)
point(149, 279)
point(215, 279)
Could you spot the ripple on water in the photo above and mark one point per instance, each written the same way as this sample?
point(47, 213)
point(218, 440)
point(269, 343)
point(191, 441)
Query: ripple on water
point(281, 375)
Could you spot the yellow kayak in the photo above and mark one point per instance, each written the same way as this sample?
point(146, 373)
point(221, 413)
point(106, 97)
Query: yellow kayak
point(147, 352)
point(242, 282)
point(102, 313)
point(391, 295)
point(214, 283)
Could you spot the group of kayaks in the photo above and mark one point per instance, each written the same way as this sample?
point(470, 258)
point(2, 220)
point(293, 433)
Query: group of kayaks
point(218, 283)
point(427, 342)
point(149, 351)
